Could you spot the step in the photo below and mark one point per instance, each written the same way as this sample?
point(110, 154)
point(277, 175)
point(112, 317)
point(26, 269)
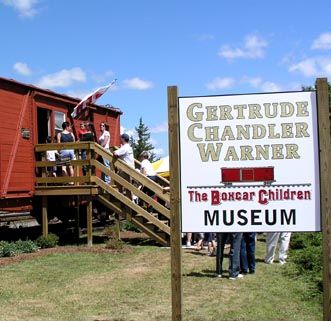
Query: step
point(162, 221)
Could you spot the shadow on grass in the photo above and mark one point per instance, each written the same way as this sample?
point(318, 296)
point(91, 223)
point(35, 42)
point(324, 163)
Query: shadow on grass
point(202, 274)
point(259, 260)
point(197, 253)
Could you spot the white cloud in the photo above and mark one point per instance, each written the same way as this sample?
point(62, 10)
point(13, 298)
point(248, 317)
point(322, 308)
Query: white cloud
point(323, 41)
point(313, 67)
point(260, 84)
point(162, 128)
point(22, 68)
point(220, 83)
point(104, 77)
point(253, 48)
point(62, 78)
point(252, 81)
point(130, 132)
point(137, 83)
point(269, 86)
point(26, 8)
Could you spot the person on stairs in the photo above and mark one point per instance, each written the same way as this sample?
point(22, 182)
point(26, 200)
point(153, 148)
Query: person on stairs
point(146, 168)
point(125, 153)
point(104, 141)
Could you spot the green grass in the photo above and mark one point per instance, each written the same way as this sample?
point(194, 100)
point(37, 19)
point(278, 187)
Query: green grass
point(136, 286)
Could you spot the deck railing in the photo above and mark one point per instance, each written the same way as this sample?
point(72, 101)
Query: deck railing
point(94, 169)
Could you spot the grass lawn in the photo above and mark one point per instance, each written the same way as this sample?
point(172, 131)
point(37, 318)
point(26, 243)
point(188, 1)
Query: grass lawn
point(136, 286)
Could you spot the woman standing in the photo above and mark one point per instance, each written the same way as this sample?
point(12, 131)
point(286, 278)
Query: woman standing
point(104, 140)
point(66, 136)
point(87, 136)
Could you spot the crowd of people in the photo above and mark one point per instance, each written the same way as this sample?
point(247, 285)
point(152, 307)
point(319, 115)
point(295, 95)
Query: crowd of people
point(241, 245)
point(86, 133)
point(241, 249)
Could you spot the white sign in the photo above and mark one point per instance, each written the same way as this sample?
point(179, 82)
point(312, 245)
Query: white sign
point(249, 163)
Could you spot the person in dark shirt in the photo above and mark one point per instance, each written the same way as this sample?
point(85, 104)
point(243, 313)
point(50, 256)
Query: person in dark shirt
point(88, 136)
point(66, 136)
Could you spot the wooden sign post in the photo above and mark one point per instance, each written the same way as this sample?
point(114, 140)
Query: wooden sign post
point(325, 179)
point(175, 227)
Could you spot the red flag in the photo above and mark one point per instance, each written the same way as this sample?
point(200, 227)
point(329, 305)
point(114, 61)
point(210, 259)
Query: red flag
point(90, 99)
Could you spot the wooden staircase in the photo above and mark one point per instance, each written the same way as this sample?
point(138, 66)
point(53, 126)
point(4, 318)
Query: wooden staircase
point(156, 224)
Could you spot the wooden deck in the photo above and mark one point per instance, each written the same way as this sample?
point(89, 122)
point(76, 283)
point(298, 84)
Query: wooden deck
point(93, 189)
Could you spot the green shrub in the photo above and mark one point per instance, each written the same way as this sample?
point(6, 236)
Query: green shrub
point(307, 257)
point(13, 248)
point(26, 246)
point(7, 249)
point(128, 226)
point(48, 241)
point(2, 244)
point(303, 240)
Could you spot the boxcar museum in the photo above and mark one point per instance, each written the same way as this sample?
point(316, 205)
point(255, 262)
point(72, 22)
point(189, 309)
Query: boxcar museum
point(29, 195)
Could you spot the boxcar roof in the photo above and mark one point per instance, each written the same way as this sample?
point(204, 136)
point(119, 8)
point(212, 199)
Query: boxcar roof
point(55, 94)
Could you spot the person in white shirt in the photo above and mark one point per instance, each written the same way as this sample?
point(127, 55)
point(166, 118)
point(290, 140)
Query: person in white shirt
point(125, 153)
point(51, 156)
point(147, 169)
point(104, 141)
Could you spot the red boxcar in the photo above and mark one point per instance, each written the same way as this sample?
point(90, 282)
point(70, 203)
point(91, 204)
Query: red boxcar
point(247, 175)
point(28, 115)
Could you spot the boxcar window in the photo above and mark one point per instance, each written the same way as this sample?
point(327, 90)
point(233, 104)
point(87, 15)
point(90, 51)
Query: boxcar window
point(59, 118)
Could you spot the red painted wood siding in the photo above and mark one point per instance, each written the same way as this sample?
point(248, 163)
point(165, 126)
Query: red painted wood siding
point(19, 181)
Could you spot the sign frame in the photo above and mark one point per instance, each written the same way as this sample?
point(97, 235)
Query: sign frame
point(192, 193)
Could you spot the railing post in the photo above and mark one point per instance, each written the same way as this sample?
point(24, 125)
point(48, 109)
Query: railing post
point(89, 168)
point(89, 223)
point(44, 202)
point(43, 169)
point(77, 213)
point(77, 167)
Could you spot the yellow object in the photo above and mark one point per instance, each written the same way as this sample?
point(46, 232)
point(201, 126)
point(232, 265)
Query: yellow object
point(161, 167)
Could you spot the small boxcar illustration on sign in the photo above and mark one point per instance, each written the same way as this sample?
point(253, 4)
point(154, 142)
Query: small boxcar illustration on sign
point(247, 175)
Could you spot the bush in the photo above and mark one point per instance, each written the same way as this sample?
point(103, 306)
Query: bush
point(307, 257)
point(7, 249)
point(115, 244)
point(48, 241)
point(11, 249)
point(111, 232)
point(128, 226)
point(26, 246)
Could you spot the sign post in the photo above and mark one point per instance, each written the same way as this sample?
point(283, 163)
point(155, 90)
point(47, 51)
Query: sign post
point(325, 163)
point(175, 225)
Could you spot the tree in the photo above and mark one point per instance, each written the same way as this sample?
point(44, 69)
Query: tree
point(142, 142)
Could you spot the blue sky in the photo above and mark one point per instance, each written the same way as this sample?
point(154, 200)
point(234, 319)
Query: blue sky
point(203, 47)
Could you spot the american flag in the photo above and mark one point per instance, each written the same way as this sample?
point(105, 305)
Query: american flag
point(90, 99)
